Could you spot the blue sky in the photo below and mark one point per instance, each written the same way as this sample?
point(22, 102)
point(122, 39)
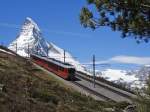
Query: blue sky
point(59, 20)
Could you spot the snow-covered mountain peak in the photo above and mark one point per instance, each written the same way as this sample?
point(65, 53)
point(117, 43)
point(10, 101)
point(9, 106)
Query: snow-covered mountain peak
point(29, 21)
point(30, 40)
point(30, 28)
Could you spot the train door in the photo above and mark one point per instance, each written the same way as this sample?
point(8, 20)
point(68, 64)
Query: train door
point(71, 73)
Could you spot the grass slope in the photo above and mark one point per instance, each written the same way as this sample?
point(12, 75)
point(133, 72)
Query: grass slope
point(28, 89)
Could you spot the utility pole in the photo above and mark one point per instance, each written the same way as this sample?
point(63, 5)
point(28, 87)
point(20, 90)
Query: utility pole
point(64, 56)
point(28, 51)
point(37, 52)
point(16, 47)
point(94, 70)
point(47, 52)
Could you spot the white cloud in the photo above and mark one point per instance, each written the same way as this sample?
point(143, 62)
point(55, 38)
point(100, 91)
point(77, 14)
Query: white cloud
point(131, 60)
point(125, 60)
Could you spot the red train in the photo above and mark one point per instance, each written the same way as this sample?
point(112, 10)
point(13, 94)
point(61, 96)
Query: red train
point(64, 70)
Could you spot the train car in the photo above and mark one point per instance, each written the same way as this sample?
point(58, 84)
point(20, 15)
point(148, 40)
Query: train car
point(64, 70)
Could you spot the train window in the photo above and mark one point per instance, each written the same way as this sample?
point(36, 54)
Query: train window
point(60, 68)
point(50, 64)
point(55, 67)
point(71, 71)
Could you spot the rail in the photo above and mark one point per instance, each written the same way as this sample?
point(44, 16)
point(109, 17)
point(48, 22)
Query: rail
point(104, 85)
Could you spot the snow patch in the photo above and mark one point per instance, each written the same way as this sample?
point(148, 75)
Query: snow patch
point(114, 75)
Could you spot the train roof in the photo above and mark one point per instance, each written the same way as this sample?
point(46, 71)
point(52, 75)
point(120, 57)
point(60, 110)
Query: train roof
point(65, 65)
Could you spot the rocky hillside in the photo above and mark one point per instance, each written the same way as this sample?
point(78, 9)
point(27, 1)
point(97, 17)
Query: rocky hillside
point(28, 89)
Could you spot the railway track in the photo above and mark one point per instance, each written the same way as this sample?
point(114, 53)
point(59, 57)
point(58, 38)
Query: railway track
point(108, 86)
point(103, 90)
point(104, 98)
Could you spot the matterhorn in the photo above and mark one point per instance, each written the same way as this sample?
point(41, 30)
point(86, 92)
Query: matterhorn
point(30, 40)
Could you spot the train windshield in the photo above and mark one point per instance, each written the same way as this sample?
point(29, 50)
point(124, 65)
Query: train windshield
point(71, 70)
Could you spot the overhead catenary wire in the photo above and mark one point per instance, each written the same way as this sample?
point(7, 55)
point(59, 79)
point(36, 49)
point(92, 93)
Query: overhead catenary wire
point(16, 48)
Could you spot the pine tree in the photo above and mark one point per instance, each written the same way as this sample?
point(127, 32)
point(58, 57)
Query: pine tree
point(131, 17)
